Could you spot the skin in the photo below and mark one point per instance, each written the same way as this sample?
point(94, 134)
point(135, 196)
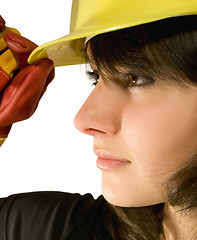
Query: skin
point(178, 225)
point(152, 126)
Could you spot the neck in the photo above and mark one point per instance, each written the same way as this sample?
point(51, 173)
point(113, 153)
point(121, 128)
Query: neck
point(177, 224)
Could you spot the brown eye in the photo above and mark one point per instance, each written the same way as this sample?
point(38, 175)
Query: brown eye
point(133, 80)
point(136, 81)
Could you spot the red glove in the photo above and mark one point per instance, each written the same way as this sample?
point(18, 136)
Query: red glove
point(19, 96)
point(7, 62)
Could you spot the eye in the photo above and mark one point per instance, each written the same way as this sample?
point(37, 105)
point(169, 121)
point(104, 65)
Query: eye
point(93, 76)
point(137, 81)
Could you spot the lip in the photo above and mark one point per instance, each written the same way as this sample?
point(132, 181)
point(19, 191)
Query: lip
point(108, 162)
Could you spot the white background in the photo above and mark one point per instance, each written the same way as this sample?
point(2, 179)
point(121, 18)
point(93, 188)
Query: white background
point(46, 152)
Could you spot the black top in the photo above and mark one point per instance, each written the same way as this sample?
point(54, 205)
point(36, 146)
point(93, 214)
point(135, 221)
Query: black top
point(53, 216)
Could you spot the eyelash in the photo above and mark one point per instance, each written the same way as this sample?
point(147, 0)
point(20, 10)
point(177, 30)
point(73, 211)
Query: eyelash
point(95, 77)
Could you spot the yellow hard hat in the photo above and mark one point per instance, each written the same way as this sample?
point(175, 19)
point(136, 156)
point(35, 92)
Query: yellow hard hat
point(92, 17)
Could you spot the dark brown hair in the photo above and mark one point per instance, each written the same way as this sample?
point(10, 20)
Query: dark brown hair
point(165, 50)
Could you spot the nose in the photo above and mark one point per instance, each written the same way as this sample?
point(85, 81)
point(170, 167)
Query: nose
point(100, 114)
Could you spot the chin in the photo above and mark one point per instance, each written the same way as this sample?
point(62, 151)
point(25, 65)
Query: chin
point(116, 202)
point(126, 193)
point(118, 199)
point(120, 202)
point(125, 199)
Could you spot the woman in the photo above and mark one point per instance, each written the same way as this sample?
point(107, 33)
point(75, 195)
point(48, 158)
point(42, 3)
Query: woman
point(142, 116)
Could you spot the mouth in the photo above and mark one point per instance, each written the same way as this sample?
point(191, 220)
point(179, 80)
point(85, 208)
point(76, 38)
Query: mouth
point(108, 162)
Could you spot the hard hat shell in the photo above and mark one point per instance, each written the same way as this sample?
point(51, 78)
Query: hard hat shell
point(92, 17)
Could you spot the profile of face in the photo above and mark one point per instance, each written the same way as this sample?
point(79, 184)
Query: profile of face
point(150, 127)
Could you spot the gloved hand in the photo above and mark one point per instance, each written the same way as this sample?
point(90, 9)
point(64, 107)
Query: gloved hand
point(21, 86)
point(7, 62)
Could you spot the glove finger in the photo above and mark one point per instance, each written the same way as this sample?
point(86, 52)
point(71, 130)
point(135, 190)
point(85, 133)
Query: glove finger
point(7, 62)
point(20, 47)
point(4, 79)
point(3, 44)
point(21, 97)
point(2, 24)
point(4, 132)
point(49, 80)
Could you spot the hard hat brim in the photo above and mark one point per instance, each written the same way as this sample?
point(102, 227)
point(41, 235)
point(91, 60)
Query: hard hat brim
point(69, 50)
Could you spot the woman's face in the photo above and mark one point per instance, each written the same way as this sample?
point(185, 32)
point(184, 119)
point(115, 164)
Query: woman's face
point(151, 128)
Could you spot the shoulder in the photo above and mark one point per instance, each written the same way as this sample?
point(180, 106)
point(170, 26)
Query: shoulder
point(51, 215)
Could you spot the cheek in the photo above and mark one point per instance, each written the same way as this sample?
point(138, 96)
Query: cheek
point(159, 138)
